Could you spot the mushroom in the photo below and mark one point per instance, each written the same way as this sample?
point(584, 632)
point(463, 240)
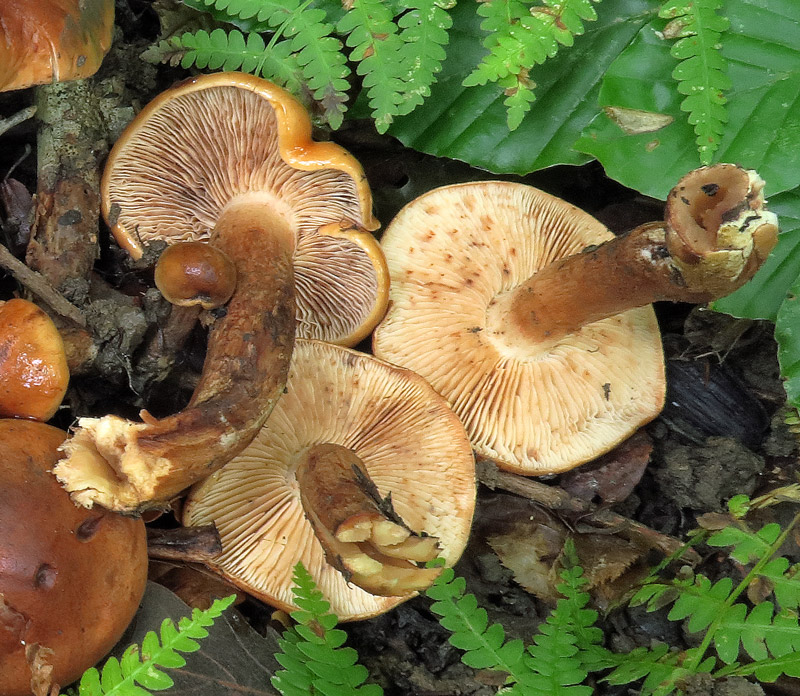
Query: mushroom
point(228, 158)
point(195, 273)
point(33, 362)
point(529, 316)
point(52, 40)
point(70, 579)
point(361, 472)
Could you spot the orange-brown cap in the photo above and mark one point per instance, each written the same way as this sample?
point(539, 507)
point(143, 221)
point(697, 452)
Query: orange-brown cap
point(52, 40)
point(195, 273)
point(70, 579)
point(410, 443)
point(33, 363)
point(535, 408)
point(230, 137)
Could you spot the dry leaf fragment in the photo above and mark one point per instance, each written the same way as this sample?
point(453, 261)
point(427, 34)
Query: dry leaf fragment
point(613, 476)
point(635, 121)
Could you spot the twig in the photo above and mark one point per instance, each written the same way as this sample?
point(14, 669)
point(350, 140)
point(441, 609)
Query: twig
point(187, 544)
point(555, 498)
point(39, 286)
point(15, 119)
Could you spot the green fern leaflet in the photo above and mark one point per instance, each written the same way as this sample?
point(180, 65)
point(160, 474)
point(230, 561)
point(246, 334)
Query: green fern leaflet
point(313, 659)
point(137, 673)
point(566, 647)
point(520, 36)
point(701, 71)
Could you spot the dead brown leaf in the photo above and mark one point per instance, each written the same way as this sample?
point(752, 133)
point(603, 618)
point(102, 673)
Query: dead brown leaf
point(613, 476)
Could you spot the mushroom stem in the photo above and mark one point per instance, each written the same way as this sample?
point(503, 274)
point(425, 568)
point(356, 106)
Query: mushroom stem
point(715, 236)
point(128, 466)
point(361, 534)
point(185, 544)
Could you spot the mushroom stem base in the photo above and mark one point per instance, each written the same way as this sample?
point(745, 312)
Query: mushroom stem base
point(361, 534)
point(128, 466)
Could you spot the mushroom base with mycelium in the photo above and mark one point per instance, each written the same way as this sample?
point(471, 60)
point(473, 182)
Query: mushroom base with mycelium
point(531, 318)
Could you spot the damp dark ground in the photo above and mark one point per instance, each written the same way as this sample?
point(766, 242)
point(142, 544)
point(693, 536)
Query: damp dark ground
point(722, 432)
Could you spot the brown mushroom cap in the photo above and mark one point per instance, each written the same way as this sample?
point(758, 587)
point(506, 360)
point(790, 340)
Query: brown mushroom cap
point(52, 40)
point(195, 273)
point(534, 408)
point(33, 364)
point(228, 137)
point(70, 579)
point(409, 441)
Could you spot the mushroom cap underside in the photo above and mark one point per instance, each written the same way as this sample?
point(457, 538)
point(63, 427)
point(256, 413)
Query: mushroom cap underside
point(409, 441)
point(533, 409)
point(228, 137)
point(52, 41)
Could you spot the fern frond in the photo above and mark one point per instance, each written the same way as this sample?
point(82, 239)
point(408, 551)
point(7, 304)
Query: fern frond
point(140, 666)
point(519, 37)
point(656, 664)
point(765, 635)
point(564, 650)
point(312, 657)
point(376, 45)
point(701, 71)
point(485, 646)
point(309, 56)
point(318, 54)
point(423, 31)
point(221, 50)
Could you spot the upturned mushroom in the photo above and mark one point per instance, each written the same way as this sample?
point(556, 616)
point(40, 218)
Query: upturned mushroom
point(70, 579)
point(33, 363)
point(361, 473)
point(529, 316)
point(228, 158)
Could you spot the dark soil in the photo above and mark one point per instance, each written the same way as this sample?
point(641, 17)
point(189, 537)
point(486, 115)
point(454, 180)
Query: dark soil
point(721, 433)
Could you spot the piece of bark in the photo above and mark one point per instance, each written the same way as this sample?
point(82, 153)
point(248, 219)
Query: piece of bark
point(71, 145)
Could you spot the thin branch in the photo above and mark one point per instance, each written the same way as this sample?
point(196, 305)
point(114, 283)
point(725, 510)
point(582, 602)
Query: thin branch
point(39, 286)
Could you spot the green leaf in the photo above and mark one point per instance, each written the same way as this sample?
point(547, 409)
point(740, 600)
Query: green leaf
point(748, 546)
point(762, 52)
point(785, 582)
point(469, 123)
point(787, 333)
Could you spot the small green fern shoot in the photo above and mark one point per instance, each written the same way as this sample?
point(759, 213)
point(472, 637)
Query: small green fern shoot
point(312, 657)
point(563, 652)
point(520, 36)
point(137, 673)
point(701, 71)
point(397, 50)
point(768, 632)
